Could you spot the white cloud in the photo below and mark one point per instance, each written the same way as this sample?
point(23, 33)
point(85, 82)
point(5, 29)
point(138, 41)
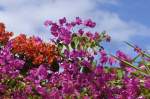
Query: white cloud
point(28, 16)
point(119, 29)
point(108, 1)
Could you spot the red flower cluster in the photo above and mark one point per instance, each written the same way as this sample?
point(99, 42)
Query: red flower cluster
point(35, 49)
point(4, 35)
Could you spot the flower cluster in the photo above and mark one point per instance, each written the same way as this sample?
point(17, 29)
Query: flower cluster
point(74, 65)
point(4, 35)
point(63, 29)
point(9, 71)
point(34, 49)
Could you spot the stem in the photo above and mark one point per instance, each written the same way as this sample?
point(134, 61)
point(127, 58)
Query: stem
point(129, 64)
point(142, 52)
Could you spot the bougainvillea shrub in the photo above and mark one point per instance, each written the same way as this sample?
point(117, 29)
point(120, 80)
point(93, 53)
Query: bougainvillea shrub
point(34, 49)
point(4, 35)
point(73, 65)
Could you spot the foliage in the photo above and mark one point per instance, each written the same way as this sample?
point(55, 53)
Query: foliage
point(67, 67)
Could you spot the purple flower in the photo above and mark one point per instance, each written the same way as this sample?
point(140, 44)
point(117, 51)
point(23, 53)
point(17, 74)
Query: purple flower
point(41, 90)
point(65, 65)
point(38, 39)
point(99, 70)
point(137, 49)
point(54, 27)
point(74, 54)
point(18, 64)
point(147, 83)
point(81, 32)
point(103, 53)
point(66, 53)
point(28, 89)
point(104, 57)
point(41, 72)
point(85, 63)
point(73, 24)
point(19, 95)
point(55, 33)
point(62, 21)
point(86, 97)
point(131, 88)
point(111, 60)
point(96, 36)
point(9, 64)
point(68, 88)
point(89, 34)
point(82, 53)
point(78, 21)
point(2, 61)
point(89, 23)
point(69, 26)
point(2, 88)
point(65, 36)
point(47, 23)
point(54, 94)
point(123, 56)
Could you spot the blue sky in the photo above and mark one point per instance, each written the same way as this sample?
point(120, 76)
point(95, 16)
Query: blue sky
point(132, 10)
point(137, 10)
point(124, 20)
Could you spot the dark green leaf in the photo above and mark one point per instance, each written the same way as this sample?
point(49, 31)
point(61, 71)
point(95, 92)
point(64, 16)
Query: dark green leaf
point(54, 66)
point(73, 45)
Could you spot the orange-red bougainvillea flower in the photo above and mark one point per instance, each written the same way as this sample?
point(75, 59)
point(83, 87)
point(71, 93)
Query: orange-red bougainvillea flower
point(4, 35)
point(35, 49)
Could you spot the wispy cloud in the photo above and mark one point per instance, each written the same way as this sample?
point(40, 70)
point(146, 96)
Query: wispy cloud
point(119, 29)
point(28, 16)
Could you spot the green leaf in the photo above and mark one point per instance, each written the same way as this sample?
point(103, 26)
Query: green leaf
point(135, 58)
point(86, 70)
point(73, 45)
point(93, 44)
point(74, 35)
point(120, 73)
point(21, 85)
point(12, 83)
point(67, 47)
point(60, 46)
point(55, 66)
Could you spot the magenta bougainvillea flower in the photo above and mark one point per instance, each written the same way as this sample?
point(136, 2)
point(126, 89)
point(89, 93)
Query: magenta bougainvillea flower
point(82, 69)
